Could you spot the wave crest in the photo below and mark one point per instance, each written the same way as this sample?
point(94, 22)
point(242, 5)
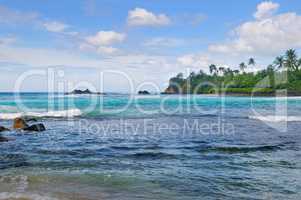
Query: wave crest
point(58, 114)
point(22, 196)
point(272, 118)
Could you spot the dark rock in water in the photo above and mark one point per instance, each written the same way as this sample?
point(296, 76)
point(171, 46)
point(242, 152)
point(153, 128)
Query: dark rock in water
point(87, 91)
point(30, 119)
point(3, 139)
point(20, 123)
point(144, 92)
point(35, 127)
point(3, 129)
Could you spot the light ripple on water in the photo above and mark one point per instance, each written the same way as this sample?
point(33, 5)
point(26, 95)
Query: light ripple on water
point(255, 162)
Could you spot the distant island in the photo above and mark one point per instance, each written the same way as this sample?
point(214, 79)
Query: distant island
point(144, 92)
point(283, 74)
point(86, 91)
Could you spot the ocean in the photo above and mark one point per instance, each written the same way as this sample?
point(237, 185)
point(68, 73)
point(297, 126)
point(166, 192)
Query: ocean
point(120, 146)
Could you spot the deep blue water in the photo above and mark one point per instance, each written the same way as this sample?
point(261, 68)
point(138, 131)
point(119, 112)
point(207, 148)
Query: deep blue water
point(152, 147)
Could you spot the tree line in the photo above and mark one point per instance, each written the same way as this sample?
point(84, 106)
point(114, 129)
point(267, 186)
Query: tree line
point(283, 73)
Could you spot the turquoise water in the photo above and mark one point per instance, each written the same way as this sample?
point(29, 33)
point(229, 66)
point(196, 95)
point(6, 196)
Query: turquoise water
point(152, 147)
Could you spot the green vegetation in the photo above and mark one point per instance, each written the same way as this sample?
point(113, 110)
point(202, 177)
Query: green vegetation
point(284, 73)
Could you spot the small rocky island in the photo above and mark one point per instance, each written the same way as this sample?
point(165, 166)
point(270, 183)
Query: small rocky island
point(86, 91)
point(144, 92)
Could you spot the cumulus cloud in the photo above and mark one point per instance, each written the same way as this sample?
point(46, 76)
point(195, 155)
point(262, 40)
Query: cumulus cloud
point(105, 38)
point(266, 9)
point(102, 42)
point(55, 26)
point(142, 17)
point(266, 36)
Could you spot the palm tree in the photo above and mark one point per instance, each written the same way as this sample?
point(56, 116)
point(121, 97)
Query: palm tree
point(291, 60)
point(251, 61)
point(212, 69)
point(228, 71)
point(221, 69)
point(270, 68)
point(236, 71)
point(242, 66)
point(201, 72)
point(180, 76)
point(192, 74)
point(279, 62)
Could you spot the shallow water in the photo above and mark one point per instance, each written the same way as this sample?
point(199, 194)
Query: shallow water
point(168, 147)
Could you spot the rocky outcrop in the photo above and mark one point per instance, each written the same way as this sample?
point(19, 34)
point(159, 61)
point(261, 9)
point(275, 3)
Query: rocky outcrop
point(3, 129)
point(35, 127)
point(20, 123)
point(30, 119)
point(87, 91)
point(3, 139)
point(144, 92)
point(170, 90)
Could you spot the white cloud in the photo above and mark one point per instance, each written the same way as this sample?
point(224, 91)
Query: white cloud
point(39, 57)
point(106, 50)
point(42, 57)
point(55, 26)
point(266, 36)
point(200, 61)
point(86, 47)
point(266, 9)
point(102, 42)
point(142, 17)
point(105, 38)
point(13, 17)
point(137, 66)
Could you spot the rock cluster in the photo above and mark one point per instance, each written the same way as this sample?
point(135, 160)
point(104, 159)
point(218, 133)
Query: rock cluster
point(22, 124)
point(86, 91)
point(143, 92)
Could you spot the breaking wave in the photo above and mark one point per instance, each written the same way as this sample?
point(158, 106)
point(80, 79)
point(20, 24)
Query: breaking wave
point(272, 118)
point(22, 196)
point(61, 113)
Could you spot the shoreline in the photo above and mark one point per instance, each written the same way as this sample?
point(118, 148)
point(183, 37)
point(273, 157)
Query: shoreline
point(245, 94)
point(234, 94)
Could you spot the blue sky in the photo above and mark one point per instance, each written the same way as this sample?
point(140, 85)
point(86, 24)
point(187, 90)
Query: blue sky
point(149, 41)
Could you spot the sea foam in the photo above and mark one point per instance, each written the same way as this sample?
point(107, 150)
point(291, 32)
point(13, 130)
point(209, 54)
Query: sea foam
point(22, 196)
point(60, 113)
point(272, 118)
